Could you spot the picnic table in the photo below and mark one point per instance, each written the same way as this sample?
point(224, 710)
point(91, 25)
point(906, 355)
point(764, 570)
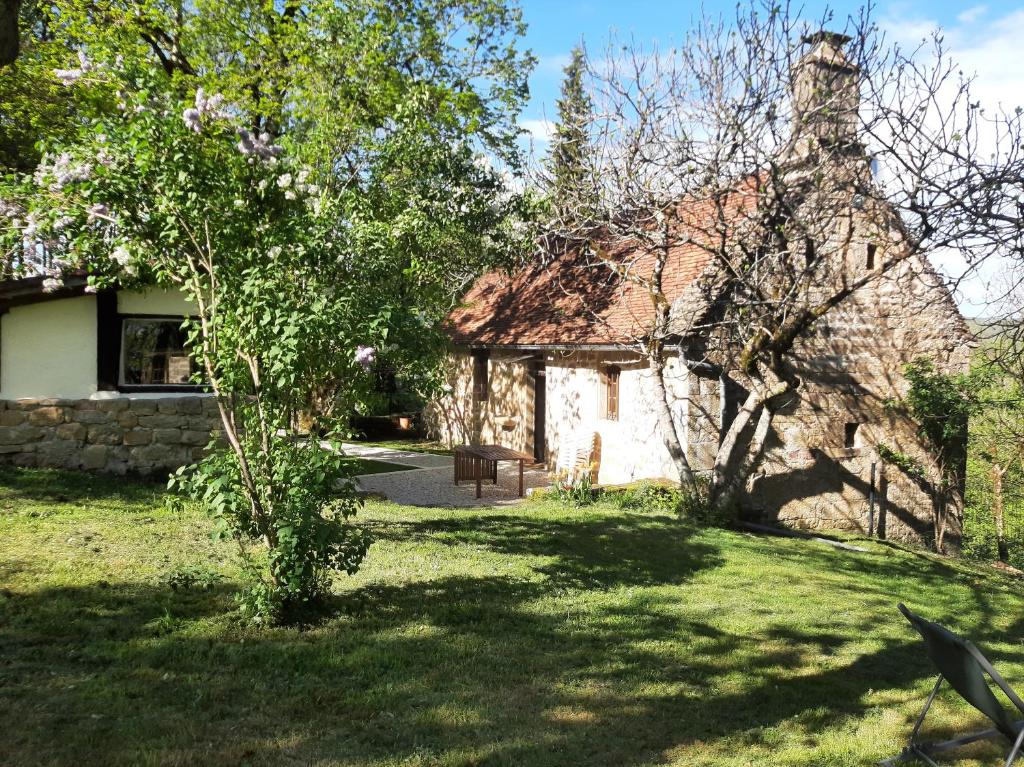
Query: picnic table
point(476, 462)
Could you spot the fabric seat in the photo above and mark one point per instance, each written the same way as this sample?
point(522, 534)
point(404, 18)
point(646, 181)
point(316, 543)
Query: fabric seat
point(965, 668)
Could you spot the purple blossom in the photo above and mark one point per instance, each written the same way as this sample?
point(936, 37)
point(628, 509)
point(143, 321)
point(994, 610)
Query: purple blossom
point(257, 146)
point(98, 211)
point(206, 108)
point(365, 355)
point(193, 119)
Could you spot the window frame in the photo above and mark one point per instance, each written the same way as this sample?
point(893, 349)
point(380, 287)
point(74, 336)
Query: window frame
point(850, 431)
point(155, 388)
point(481, 374)
point(870, 260)
point(611, 377)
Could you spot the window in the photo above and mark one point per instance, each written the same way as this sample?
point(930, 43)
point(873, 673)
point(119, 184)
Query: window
point(869, 261)
point(850, 435)
point(810, 252)
point(611, 393)
point(153, 353)
point(480, 384)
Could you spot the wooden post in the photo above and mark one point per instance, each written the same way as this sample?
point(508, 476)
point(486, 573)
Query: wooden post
point(871, 502)
point(883, 502)
point(478, 470)
point(520, 477)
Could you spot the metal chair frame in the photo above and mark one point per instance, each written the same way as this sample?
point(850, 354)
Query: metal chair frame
point(925, 751)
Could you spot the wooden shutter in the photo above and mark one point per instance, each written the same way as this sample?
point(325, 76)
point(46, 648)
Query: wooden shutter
point(480, 382)
point(611, 391)
point(108, 341)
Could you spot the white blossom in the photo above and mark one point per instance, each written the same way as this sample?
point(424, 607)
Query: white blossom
point(121, 255)
point(90, 288)
point(365, 356)
point(51, 284)
point(71, 76)
point(284, 181)
point(289, 195)
point(274, 251)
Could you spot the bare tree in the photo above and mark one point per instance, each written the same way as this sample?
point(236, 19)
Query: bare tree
point(764, 149)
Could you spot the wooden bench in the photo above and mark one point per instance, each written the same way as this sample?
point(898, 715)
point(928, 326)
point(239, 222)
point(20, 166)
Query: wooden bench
point(478, 462)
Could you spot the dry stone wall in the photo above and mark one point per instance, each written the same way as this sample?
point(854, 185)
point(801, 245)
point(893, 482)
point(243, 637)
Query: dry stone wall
point(117, 436)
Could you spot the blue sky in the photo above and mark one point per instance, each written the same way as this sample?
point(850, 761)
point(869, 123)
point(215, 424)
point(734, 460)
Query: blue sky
point(986, 35)
point(986, 38)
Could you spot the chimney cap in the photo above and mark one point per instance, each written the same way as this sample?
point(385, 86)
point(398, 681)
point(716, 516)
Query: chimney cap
point(836, 39)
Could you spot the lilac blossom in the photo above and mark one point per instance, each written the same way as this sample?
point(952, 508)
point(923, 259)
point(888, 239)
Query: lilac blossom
point(121, 255)
point(98, 211)
point(365, 356)
point(257, 146)
point(71, 76)
point(206, 108)
point(62, 170)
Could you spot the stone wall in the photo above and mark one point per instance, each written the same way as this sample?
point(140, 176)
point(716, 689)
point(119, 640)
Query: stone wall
point(117, 436)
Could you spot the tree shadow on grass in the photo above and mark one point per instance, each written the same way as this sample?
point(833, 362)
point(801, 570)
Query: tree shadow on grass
point(459, 670)
point(599, 662)
point(594, 551)
point(67, 486)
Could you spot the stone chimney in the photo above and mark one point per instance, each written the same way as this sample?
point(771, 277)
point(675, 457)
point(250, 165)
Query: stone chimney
point(826, 96)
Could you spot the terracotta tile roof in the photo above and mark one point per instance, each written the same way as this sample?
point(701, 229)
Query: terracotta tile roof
point(571, 300)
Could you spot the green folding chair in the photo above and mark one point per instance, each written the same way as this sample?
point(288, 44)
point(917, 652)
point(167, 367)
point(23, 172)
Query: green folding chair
point(962, 665)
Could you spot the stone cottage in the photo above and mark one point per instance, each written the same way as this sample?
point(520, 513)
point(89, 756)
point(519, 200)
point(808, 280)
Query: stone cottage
point(98, 381)
point(535, 365)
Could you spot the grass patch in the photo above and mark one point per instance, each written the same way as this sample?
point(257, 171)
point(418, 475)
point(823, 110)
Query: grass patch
point(412, 445)
point(527, 635)
point(370, 466)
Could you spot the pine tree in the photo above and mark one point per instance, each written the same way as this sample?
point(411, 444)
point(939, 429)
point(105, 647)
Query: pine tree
point(569, 161)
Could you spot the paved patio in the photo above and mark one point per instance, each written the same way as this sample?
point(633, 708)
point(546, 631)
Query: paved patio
point(432, 482)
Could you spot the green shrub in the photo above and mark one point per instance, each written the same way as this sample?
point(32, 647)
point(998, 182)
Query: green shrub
point(576, 489)
point(192, 578)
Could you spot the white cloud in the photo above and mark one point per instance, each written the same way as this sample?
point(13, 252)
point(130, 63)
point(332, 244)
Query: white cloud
point(988, 49)
point(540, 131)
point(972, 14)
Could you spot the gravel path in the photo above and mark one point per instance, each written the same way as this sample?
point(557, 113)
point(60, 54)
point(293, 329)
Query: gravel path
point(432, 484)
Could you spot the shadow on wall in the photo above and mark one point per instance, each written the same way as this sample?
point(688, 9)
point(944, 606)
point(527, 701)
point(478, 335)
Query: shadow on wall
point(826, 493)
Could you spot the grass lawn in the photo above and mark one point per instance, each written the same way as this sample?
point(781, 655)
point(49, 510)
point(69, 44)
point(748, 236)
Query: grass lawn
point(413, 445)
point(370, 466)
point(530, 635)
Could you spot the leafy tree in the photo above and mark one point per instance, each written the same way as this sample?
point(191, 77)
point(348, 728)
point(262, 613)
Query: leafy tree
point(995, 462)
point(296, 170)
point(941, 404)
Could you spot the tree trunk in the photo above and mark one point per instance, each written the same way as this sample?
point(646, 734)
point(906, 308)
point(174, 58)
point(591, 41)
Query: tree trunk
point(756, 401)
point(9, 42)
point(731, 487)
point(997, 512)
point(667, 424)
